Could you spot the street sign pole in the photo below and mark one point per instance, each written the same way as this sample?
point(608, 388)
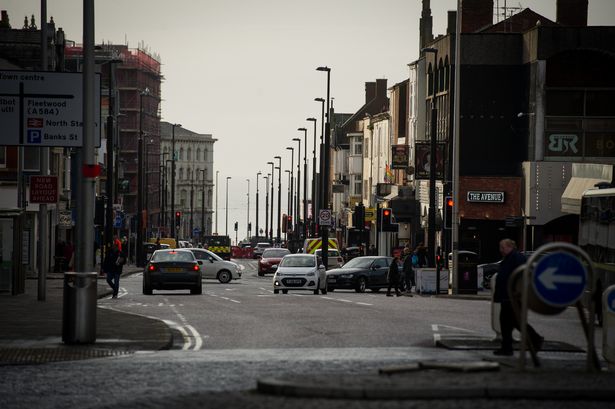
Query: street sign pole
point(44, 161)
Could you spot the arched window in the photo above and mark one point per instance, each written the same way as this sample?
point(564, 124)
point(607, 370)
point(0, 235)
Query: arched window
point(430, 80)
point(181, 173)
point(447, 73)
point(205, 155)
point(189, 154)
point(181, 154)
point(209, 194)
point(198, 173)
point(440, 76)
point(198, 154)
point(183, 198)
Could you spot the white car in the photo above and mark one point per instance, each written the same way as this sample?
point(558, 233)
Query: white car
point(259, 248)
point(334, 260)
point(300, 272)
point(212, 266)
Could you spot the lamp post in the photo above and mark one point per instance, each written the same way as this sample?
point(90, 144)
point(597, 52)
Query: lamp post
point(163, 190)
point(279, 168)
point(146, 189)
point(288, 203)
point(324, 231)
point(168, 219)
point(318, 182)
point(226, 229)
point(257, 201)
point(217, 172)
point(139, 243)
point(267, 179)
point(204, 170)
point(290, 186)
point(304, 229)
point(272, 197)
point(248, 221)
point(298, 200)
point(192, 203)
point(313, 197)
point(173, 159)
point(431, 232)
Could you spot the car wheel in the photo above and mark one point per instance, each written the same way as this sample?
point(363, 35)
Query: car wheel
point(224, 276)
point(147, 290)
point(276, 291)
point(361, 285)
point(375, 290)
point(260, 274)
point(284, 291)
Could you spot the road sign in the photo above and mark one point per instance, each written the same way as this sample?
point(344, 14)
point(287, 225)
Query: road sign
point(44, 108)
point(196, 231)
point(610, 299)
point(65, 219)
point(43, 189)
point(370, 214)
point(559, 279)
point(324, 217)
point(118, 222)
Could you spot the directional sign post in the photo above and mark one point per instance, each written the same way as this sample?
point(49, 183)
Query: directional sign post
point(559, 279)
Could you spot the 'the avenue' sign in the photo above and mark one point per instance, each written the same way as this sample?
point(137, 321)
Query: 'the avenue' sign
point(485, 197)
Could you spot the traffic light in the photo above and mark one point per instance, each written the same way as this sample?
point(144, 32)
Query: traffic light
point(289, 223)
point(178, 218)
point(448, 212)
point(250, 226)
point(236, 226)
point(387, 220)
point(284, 222)
point(358, 217)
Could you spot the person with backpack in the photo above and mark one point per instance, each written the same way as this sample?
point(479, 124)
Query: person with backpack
point(112, 267)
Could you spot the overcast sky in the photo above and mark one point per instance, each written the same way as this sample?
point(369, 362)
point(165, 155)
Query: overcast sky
point(244, 71)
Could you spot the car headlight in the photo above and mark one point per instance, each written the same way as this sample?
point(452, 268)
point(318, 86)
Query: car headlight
point(351, 275)
point(279, 274)
point(310, 274)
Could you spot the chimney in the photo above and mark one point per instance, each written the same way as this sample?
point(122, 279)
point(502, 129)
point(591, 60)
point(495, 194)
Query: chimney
point(572, 13)
point(451, 26)
point(476, 14)
point(381, 88)
point(425, 26)
point(4, 22)
point(370, 91)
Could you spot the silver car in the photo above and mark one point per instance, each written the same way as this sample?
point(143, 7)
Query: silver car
point(300, 272)
point(213, 266)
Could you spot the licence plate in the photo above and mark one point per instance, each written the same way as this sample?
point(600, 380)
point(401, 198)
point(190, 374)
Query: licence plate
point(291, 281)
point(174, 270)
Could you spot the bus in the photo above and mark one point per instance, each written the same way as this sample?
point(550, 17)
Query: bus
point(597, 238)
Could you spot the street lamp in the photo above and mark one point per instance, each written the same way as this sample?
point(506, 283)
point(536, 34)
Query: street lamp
point(272, 197)
point(304, 229)
point(139, 243)
point(324, 203)
point(279, 168)
point(288, 200)
point(290, 197)
point(248, 223)
point(298, 200)
point(227, 179)
point(267, 179)
point(313, 224)
point(163, 189)
point(148, 142)
point(321, 149)
point(431, 232)
point(217, 172)
point(204, 170)
point(257, 200)
point(173, 159)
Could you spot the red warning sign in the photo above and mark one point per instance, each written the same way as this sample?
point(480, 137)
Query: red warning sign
point(43, 189)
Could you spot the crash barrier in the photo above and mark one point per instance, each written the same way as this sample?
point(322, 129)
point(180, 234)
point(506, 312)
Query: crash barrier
point(79, 308)
point(495, 310)
point(608, 326)
point(238, 252)
point(426, 280)
point(555, 277)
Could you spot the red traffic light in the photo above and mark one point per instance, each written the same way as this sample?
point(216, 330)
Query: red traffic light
point(449, 202)
point(386, 212)
point(177, 214)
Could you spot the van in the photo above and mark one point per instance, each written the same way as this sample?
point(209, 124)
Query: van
point(311, 245)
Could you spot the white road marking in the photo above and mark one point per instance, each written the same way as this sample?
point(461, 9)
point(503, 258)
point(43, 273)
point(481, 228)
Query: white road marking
point(343, 300)
point(191, 341)
point(363, 303)
point(198, 341)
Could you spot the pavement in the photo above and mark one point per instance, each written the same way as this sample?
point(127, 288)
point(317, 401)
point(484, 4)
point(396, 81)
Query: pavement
point(31, 330)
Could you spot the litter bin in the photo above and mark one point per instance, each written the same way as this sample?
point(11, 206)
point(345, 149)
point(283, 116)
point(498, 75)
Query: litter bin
point(467, 273)
point(79, 308)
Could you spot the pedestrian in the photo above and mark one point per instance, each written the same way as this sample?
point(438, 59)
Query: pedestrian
point(508, 321)
point(158, 243)
point(421, 255)
point(408, 270)
point(393, 277)
point(112, 266)
point(372, 250)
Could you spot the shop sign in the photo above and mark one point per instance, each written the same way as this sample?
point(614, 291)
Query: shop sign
point(485, 197)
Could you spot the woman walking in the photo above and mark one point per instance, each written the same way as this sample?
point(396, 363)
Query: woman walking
point(393, 277)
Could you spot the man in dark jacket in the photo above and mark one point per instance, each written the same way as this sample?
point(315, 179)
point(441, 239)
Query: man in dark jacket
point(393, 277)
point(508, 321)
point(112, 267)
point(408, 270)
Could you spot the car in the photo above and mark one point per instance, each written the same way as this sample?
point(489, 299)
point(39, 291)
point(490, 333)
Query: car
point(300, 272)
point(360, 273)
point(185, 244)
point(334, 260)
point(213, 266)
point(270, 260)
point(172, 270)
point(488, 270)
point(351, 252)
point(259, 248)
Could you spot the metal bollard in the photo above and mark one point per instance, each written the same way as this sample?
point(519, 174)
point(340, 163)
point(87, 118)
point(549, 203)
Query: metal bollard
point(495, 310)
point(79, 308)
point(608, 326)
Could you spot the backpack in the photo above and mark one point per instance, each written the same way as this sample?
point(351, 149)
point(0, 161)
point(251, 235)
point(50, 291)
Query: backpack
point(415, 260)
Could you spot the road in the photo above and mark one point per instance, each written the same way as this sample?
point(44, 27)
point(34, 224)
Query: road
point(234, 333)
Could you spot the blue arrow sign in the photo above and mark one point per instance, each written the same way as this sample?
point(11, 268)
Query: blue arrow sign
point(559, 279)
point(610, 301)
point(118, 222)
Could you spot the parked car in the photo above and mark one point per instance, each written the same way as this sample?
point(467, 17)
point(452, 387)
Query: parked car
point(172, 270)
point(334, 260)
point(490, 269)
point(259, 248)
point(360, 273)
point(351, 252)
point(300, 272)
point(214, 266)
point(270, 260)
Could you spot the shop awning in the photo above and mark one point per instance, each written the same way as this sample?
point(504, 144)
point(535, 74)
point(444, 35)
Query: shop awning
point(571, 198)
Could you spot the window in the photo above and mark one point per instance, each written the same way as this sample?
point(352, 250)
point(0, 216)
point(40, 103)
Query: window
point(181, 154)
point(357, 187)
point(2, 156)
point(380, 263)
point(198, 173)
point(198, 154)
point(181, 173)
point(183, 198)
point(189, 154)
point(600, 103)
point(31, 158)
point(205, 154)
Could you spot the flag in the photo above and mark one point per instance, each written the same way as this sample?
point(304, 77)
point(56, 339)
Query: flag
point(388, 174)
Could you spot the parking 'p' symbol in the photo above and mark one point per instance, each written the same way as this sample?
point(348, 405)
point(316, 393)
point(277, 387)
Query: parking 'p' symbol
point(35, 136)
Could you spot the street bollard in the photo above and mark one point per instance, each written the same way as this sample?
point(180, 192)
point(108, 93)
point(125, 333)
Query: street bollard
point(495, 310)
point(608, 326)
point(79, 308)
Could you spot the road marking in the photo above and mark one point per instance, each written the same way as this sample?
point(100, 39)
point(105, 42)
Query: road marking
point(343, 300)
point(198, 341)
point(363, 303)
point(193, 340)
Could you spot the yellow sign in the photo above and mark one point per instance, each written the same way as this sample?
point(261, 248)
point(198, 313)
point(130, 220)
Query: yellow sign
point(370, 214)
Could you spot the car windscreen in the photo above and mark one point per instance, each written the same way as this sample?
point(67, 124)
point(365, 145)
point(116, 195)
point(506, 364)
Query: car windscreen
point(359, 263)
point(306, 261)
point(161, 256)
point(275, 253)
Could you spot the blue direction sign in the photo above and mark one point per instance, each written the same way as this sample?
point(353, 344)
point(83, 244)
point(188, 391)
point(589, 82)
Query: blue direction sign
point(559, 279)
point(196, 231)
point(118, 222)
point(610, 301)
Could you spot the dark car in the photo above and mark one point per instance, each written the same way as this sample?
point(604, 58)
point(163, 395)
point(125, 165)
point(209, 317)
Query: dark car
point(351, 252)
point(360, 273)
point(490, 269)
point(172, 270)
point(270, 260)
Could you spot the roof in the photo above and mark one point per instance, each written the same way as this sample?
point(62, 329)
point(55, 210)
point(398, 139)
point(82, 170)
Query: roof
point(519, 23)
point(180, 132)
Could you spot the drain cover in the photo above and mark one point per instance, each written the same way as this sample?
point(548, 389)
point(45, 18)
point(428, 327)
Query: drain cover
point(26, 356)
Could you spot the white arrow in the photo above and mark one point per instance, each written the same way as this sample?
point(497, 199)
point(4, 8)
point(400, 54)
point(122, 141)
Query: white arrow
point(548, 279)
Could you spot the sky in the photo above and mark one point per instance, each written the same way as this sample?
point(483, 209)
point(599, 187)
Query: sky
point(244, 70)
